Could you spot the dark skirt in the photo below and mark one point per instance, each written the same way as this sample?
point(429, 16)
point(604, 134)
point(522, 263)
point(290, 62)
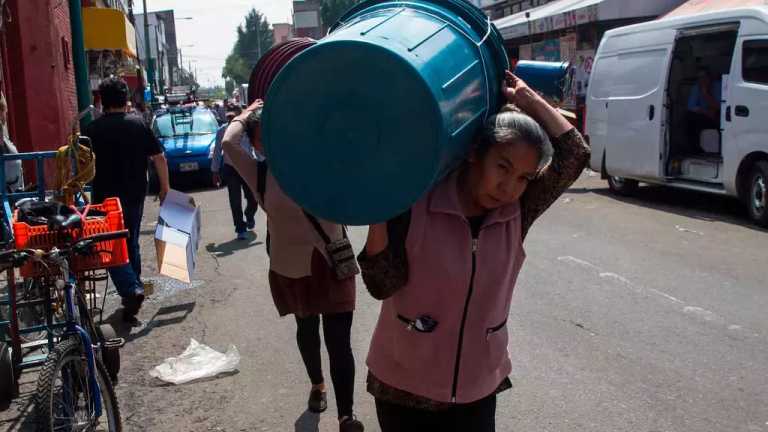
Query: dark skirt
point(318, 294)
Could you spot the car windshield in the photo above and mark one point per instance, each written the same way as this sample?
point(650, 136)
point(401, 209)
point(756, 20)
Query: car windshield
point(179, 123)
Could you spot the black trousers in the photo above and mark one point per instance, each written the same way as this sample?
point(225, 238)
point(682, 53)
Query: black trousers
point(337, 332)
point(236, 187)
point(478, 416)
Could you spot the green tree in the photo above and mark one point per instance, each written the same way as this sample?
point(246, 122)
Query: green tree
point(235, 69)
point(332, 10)
point(254, 38)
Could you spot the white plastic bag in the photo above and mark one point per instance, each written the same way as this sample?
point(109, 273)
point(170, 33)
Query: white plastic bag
point(196, 362)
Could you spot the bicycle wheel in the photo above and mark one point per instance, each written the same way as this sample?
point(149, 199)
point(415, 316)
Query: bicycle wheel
point(63, 400)
point(8, 385)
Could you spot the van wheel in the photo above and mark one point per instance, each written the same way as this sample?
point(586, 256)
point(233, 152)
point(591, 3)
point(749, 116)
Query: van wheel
point(622, 186)
point(757, 199)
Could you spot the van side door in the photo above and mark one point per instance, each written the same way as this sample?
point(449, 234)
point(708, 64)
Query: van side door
point(636, 113)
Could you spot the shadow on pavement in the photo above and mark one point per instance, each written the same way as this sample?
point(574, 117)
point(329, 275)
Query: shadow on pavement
point(308, 422)
point(230, 247)
point(165, 316)
point(696, 205)
point(24, 418)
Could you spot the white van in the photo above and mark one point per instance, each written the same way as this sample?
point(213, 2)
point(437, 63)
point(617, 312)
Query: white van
point(650, 120)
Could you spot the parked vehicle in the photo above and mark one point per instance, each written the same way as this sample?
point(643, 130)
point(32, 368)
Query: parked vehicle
point(638, 107)
point(188, 135)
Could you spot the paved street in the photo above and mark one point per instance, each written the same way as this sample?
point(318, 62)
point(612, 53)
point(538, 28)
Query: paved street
point(644, 314)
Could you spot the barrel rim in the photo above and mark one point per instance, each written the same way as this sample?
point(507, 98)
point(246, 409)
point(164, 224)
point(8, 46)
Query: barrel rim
point(473, 17)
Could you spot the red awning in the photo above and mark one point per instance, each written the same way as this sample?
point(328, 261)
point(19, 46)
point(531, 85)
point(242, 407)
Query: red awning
point(693, 7)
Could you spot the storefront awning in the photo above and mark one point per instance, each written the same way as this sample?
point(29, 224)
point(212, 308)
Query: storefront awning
point(693, 7)
point(552, 16)
point(108, 29)
point(569, 13)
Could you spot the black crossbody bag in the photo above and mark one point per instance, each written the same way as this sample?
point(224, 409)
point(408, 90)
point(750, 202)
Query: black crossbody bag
point(340, 251)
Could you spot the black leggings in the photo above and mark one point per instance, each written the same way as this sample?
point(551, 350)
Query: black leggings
point(478, 416)
point(336, 330)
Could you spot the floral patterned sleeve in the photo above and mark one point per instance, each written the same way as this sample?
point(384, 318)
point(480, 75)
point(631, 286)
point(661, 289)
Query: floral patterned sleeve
point(386, 272)
point(571, 156)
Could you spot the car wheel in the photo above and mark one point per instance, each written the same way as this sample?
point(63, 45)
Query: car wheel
point(622, 186)
point(757, 198)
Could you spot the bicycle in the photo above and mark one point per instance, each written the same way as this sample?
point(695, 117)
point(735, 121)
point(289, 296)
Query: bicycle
point(74, 389)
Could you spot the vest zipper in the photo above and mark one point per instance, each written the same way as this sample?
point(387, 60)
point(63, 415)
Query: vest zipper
point(475, 244)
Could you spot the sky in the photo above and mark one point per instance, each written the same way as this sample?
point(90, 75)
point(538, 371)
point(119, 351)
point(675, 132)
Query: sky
point(213, 29)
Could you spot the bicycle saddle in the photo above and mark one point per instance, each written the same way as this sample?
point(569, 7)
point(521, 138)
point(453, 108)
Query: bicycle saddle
point(52, 214)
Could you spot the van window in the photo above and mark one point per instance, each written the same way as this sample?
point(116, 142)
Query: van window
point(755, 61)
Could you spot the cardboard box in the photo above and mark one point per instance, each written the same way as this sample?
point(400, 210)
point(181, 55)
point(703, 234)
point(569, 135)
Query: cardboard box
point(177, 236)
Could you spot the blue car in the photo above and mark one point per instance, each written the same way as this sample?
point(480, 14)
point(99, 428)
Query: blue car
point(188, 136)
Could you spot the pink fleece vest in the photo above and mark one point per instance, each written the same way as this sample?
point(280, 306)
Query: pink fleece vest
point(465, 358)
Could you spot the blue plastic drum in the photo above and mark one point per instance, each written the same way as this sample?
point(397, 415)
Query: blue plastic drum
point(361, 125)
point(548, 78)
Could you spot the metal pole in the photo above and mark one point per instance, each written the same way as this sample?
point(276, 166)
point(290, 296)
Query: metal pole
point(148, 54)
point(181, 67)
point(80, 60)
point(161, 67)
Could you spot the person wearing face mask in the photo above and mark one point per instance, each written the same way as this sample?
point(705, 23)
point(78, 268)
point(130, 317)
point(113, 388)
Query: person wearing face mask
point(446, 270)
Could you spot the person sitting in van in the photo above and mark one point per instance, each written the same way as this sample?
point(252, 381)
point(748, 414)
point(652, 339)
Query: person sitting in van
point(703, 107)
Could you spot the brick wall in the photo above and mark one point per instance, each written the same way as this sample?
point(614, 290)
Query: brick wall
point(39, 73)
point(62, 31)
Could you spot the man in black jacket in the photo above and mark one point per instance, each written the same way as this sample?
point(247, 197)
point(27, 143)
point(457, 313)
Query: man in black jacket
point(124, 145)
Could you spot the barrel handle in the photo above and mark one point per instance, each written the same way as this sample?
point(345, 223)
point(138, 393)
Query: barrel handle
point(479, 49)
point(479, 45)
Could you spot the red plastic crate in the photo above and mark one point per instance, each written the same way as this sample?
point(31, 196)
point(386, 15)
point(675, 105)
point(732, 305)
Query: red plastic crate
point(111, 253)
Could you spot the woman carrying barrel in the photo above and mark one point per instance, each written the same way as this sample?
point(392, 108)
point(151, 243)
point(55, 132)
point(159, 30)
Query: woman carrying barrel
point(446, 270)
point(303, 276)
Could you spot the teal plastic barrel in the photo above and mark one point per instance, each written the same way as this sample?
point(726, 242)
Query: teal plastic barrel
point(358, 127)
point(548, 78)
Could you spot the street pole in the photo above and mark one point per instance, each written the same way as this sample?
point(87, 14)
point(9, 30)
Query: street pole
point(148, 54)
point(80, 60)
point(181, 66)
point(161, 67)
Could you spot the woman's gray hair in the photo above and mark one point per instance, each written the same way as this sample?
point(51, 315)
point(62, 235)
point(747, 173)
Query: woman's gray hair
point(511, 125)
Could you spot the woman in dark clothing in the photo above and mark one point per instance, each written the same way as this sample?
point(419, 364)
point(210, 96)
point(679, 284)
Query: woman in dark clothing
point(301, 276)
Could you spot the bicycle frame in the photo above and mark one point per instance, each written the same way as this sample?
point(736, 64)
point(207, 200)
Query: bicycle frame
point(11, 324)
point(73, 328)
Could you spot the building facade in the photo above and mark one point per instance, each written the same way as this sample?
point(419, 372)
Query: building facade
point(173, 52)
point(281, 32)
point(38, 78)
point(306, 19)
point(158, 50)
point(110, 43)
point(496, 9)
point(570, 31)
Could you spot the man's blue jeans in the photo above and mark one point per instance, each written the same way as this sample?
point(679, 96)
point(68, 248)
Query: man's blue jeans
point(126, 277)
